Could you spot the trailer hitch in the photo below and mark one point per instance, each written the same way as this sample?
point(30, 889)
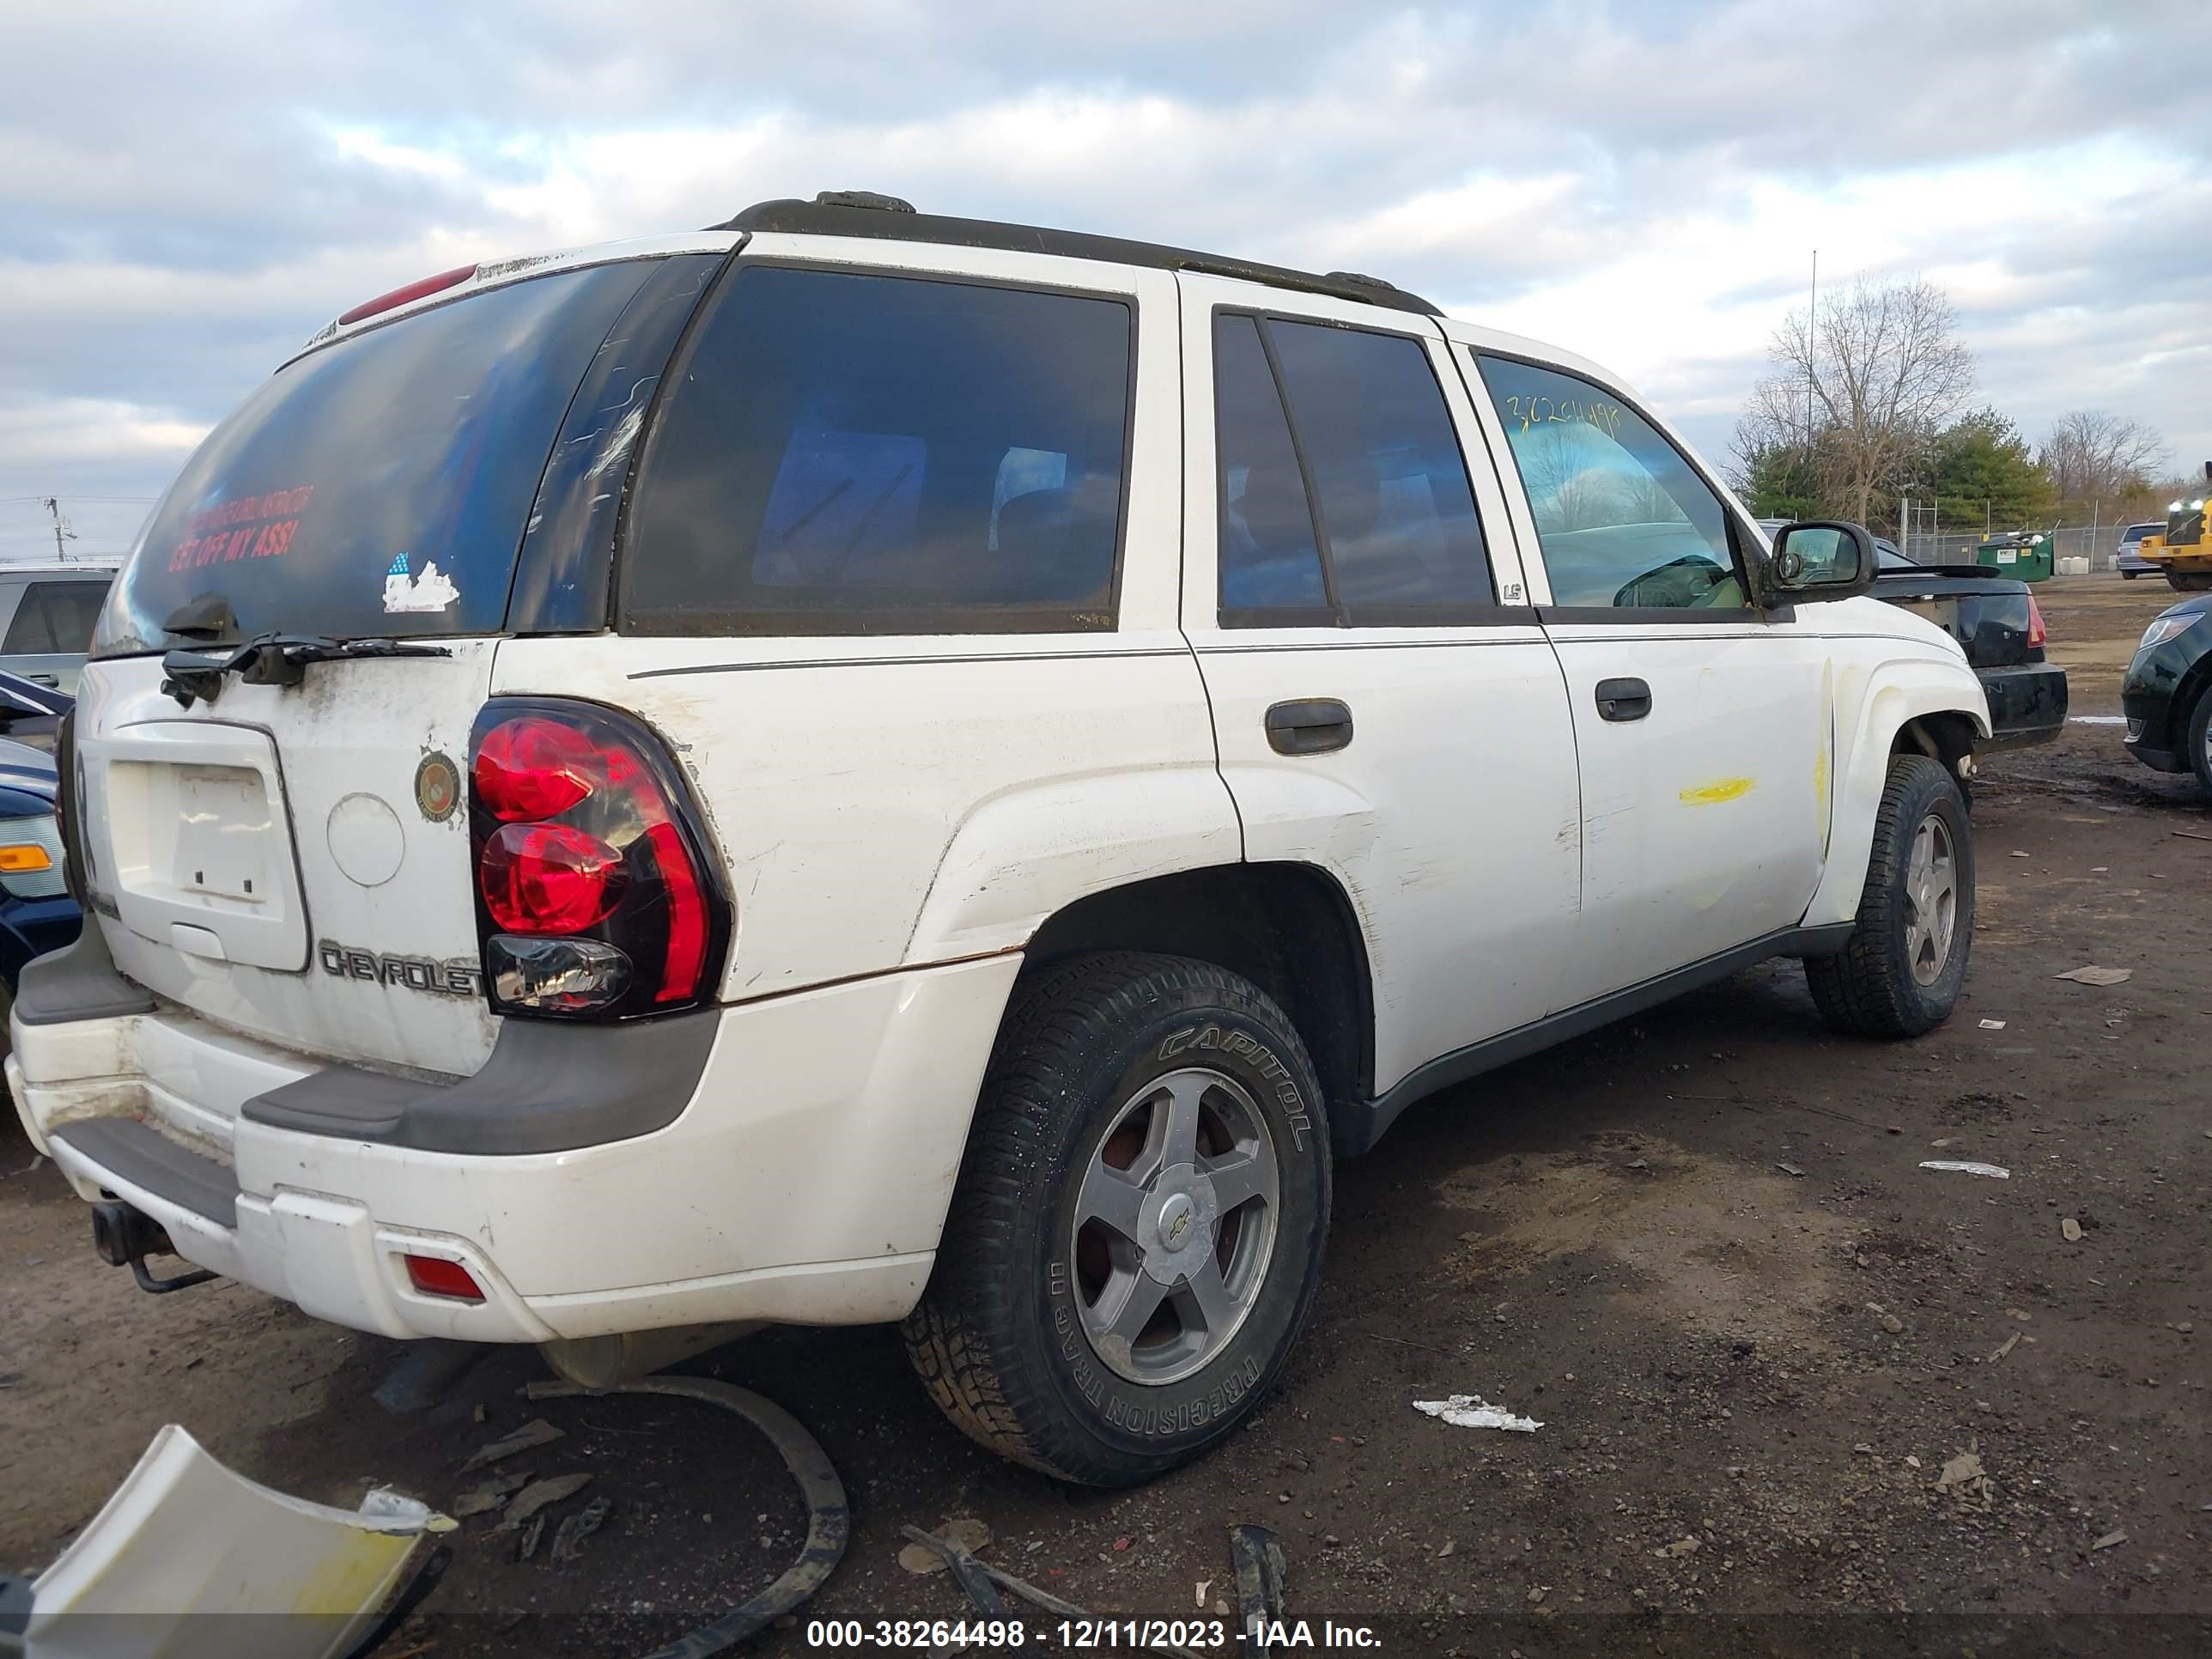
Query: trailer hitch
point(124, 1238)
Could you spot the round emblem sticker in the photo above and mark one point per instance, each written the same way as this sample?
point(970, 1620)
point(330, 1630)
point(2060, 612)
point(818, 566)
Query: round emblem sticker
point(437, 787)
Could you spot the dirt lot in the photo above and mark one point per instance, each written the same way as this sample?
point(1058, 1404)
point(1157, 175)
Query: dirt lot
point(1698, 1247)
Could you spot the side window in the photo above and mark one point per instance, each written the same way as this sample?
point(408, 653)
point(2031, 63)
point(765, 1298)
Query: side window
point(1623, 520)
point(72, 608)
point(846, 453)
point(29, 633)
point(1357, 417)
point(1394, 497)
point(1270, 557)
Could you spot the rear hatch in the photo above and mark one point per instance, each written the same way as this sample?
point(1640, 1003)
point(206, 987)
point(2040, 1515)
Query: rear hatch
point(291, 861)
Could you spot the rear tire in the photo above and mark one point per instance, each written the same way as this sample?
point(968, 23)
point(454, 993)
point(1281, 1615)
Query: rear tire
point(2191, 582)
point(1901, 972)
point(1158, 1090)
point(2196, 732)
point(2129, 575)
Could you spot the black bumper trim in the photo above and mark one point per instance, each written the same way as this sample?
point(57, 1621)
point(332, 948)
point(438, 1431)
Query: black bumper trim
point(78, 982)
point(548, 1087)
point(1358, 1126)
point(2027, 704)
point(130, 1151)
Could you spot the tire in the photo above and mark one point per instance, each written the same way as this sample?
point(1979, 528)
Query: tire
point(1888, 980)
point(2196, 732)
point(2129, 575)
point(2188, 582)
point(1093, 1060)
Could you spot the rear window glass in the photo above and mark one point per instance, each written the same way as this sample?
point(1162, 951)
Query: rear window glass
point(55, 618)
point(845, 453)
point(2136, 532)
point(379, 487)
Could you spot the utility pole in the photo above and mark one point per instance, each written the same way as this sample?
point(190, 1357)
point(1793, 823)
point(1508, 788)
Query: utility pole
point(1811, 350)
point(62, 532)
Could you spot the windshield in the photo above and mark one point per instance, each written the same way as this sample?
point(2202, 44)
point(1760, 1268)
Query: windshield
point(377, 488)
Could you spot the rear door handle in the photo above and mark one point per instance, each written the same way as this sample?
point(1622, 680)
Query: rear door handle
point(1312, 725)
point(1623, 700)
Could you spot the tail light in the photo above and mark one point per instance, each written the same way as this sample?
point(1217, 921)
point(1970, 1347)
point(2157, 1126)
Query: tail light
point(596, 894)
point(2035, 634)
point(415, 290)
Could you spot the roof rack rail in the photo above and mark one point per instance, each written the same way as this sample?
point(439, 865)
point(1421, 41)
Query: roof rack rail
point(865, 213)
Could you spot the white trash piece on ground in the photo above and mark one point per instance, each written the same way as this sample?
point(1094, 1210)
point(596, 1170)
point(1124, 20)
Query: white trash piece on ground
point(1993, 1026)
point(2093, 975)
point(1964, 1166)
point(186, 1557)
point(1472, 1411)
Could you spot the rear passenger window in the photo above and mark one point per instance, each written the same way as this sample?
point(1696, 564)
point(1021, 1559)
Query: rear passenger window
point(1395, 539)
point(1622, 519)
point(844, 453)
point(1270, 557)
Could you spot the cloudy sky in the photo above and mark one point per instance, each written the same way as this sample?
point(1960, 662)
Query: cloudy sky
point(188, 191)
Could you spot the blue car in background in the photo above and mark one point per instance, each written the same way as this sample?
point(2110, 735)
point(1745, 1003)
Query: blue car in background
point(37, 913)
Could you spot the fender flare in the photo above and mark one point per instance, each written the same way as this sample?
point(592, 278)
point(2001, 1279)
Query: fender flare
point(1896, 690)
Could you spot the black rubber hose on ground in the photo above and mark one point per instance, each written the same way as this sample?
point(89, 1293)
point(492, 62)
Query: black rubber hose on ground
point(829, 1521)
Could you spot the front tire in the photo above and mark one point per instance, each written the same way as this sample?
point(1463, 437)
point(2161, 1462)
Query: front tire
point(1901, 972)
point(2197, 734)
point(1136, 1234)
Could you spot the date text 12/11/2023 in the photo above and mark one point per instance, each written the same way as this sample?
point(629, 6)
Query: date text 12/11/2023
point(1086, 1635)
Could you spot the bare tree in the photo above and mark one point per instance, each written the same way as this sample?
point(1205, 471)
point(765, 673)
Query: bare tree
point(2092, 456)
point(1867, 383)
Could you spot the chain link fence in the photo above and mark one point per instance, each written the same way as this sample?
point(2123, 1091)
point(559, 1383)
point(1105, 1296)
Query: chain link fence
point(2095, 543)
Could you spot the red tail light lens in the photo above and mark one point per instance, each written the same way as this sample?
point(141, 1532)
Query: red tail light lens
point(529, 769)
point(433, 1275)
point(595, 895)
point(2035, 634)
point(416, 290)
point(548, 878)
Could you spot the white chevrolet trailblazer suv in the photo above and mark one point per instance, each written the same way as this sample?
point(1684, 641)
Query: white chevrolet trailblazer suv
point(857, 766)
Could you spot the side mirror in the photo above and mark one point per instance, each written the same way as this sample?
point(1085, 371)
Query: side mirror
point(1822, 560)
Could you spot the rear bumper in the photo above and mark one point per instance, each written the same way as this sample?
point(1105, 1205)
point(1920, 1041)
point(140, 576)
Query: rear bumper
point(804, 1180)
point(2027, 704)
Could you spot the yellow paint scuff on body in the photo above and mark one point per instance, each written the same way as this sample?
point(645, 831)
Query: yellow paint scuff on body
point(1712, 795)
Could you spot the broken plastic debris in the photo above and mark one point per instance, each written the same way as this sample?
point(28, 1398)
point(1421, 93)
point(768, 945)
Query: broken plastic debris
point(1966, 1166)
point(2109, 1540)
point(1470, 1410)
point(569, 1542)
point(1993, 1026)
point(184, 1537)
point(536, 1432)
point(542, 1495)
point(491, 1495)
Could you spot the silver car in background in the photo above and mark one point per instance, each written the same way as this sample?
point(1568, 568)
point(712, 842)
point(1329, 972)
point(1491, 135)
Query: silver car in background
point(46, 616)
point(2126, 559)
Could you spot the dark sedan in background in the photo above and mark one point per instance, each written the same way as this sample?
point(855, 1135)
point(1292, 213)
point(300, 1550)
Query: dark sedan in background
point(1996, 623)
point(2167, 695)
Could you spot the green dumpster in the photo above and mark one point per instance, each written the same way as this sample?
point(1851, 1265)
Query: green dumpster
point(2023, 555)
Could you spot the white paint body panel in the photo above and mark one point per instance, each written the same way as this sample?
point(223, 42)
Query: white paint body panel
point(806, 1181)
point(1450, 819)
point(897, 817)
